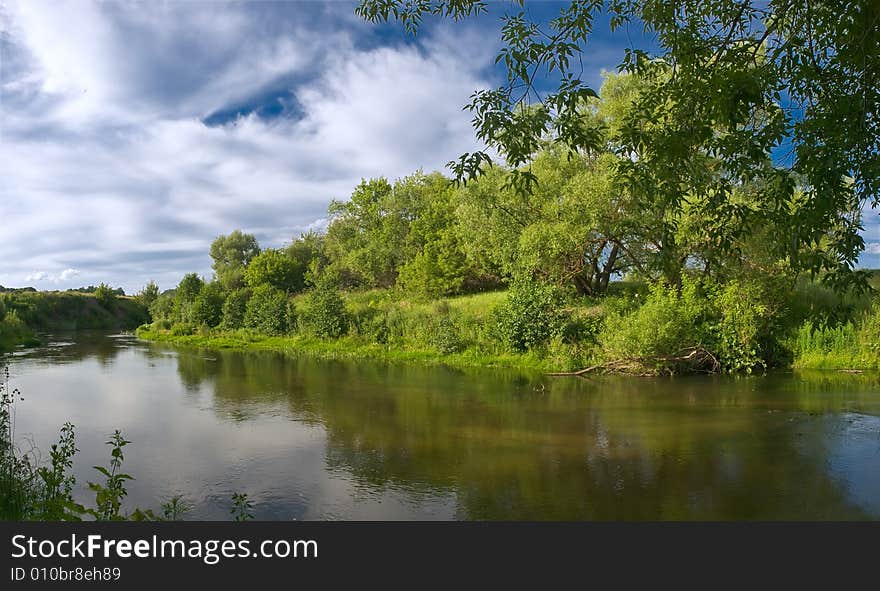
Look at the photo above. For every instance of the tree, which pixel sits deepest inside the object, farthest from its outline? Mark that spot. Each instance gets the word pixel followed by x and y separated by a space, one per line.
pixel 357 242
pixel 231 254
pixel 185 295
pixel 148 295
pixel 307 251
pixel 234 308
pixel 734 79
pixel 106 296
pixel 207 308
pixel 273 267
pixel 266 310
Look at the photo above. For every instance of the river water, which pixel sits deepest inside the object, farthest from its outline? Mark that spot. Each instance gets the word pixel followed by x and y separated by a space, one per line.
pixel 308 439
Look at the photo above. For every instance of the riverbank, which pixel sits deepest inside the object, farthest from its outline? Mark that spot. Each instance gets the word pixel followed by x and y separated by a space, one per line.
pixel 632 331
pixel 350 348
pixel 24 313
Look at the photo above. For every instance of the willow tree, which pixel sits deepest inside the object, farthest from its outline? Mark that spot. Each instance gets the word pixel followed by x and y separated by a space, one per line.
pixel 745 78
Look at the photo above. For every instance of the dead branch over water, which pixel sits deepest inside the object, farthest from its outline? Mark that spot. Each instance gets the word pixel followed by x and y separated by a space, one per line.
pixel 695 359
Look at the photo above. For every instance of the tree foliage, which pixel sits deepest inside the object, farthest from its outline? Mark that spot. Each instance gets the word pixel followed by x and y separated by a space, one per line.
pixel 732 81
pixel 274 267
pixel 231 254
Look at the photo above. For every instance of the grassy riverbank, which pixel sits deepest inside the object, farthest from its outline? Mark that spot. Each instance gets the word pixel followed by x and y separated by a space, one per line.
pixel 452 332
pixel 24 313
pixel 813 329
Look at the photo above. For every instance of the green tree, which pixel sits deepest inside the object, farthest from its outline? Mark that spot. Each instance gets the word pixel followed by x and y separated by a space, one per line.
pixel 185 295
pixel 266 310
pixel 360 253
pixel 106 296
pixel 733 79
pixel 148 295
pixel 274 267
pixel 307 252
pixel 234 308
pixel 207 308
pixel 324 312
pixel 231 254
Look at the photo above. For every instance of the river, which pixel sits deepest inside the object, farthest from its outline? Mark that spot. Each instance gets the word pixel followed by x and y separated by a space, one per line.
pixel 309 439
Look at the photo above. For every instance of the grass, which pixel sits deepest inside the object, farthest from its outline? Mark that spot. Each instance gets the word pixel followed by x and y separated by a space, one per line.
pixel 819 330
pixel 348 347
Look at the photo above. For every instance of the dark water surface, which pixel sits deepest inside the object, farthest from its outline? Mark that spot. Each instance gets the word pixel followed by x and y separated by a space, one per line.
pixel 313 439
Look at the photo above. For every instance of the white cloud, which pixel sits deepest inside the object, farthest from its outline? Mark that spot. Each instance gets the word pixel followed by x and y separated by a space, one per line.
pixel 43 276
pixel 108 167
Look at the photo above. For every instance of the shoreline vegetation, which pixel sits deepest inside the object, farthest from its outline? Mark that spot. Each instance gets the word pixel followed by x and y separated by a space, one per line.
pixel 464 332
pixel 26 312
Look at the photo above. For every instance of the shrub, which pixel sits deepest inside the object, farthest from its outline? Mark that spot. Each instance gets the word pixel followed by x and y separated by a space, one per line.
pixel 665 324
pixel 744 333
pixel 445 337
pixel 324 313
pixel 529 316
pixel 234 309
pixel 106 296
pixel 266 311
pixel 207 308
pixel 163 308
pixel 182 329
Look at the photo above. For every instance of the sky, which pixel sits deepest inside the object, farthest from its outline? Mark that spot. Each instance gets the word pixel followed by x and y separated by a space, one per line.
pixel 133 134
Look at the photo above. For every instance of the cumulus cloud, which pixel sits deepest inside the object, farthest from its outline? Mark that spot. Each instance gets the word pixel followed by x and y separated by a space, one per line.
pixel 42 276
pixel 115 160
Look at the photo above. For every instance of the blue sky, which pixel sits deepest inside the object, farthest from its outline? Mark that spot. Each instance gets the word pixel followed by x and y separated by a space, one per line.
pixel 132 134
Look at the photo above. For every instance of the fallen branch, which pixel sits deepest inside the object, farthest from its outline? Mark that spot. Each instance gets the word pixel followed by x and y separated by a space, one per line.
pixel 698 358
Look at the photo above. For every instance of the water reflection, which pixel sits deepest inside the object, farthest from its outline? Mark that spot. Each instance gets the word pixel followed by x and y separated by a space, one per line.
pixel 312 439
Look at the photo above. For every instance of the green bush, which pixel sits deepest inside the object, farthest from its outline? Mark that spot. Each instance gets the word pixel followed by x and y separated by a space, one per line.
pixel 234 309
pixel 324 314
pixel 369 323
pixel 666 323
pixel 106 296
pixel 207 308
pixel 744 332
pixel 266 311
pixel 162 308
pixel 445 336
pixel 529 316
pixel 182 329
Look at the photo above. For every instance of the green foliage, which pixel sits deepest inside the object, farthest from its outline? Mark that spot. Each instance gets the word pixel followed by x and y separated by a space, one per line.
pixel 445 337
pixel 323 313
pixel 175 508
pixel 57 484
pixel 697 135
pixel 185 295
pixel 231 254
pixel 308 252
pixel 529 316
pixel 665 324
pixel 235 308
pixel 743 332
pixel 106 296
pixel 148 295
pixel 266 310
pixel 13 331
pixel 854 344
pixel 207 308
pixel 275 268
pixel 162 308
pixel 242 507
pixel 109 495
